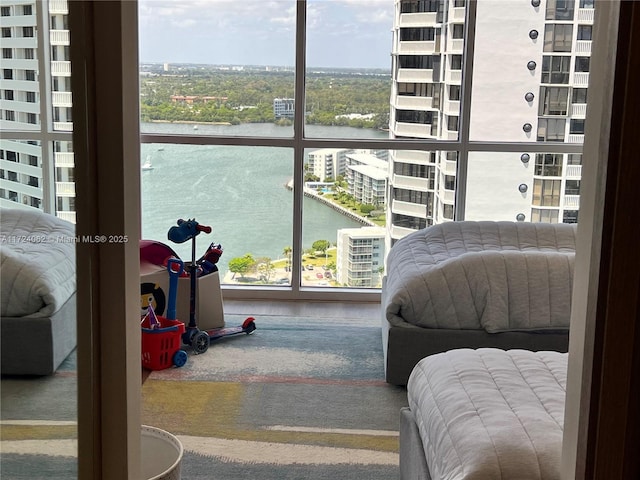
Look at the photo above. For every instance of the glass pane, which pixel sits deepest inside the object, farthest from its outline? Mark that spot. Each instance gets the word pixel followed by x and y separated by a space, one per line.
pixel 428 41
pixel 239 191
pixel 538 187
pixel 344 209
pixel 348 67
pixel 60 67
pixel 423 190
pixel 64 163
pixel 217 67
pixel 21 173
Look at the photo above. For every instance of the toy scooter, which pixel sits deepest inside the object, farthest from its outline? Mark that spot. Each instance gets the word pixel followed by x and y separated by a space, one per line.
pixel 201 339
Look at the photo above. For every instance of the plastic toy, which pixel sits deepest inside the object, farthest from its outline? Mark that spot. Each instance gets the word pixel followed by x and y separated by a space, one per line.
pixel 201 339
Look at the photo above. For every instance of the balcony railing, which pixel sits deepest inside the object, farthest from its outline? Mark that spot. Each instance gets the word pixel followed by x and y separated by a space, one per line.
pixel 408 208
pixel 410 183
pixel 417 75
pixel 59 37
pixel 65 189
pixel 416 48
pixel 581 79
pixel 574 170
pixel 419 130
pixel 410 102
pixel 583 46
pixel 585 15
pixel 61 69
pixel 58 7
pixel 455 45
pixel 64 159
pixel 453 76
pixel 457 13
pixel 449 167
pixel 420 19
pixel 61 99
pixel 68 216
pixel 575 138
pixel 572 201
pixel 446 196
pixel 578 110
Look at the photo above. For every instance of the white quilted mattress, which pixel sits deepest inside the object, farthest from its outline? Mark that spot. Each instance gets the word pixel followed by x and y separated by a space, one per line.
pixel 490 414
pixel 38 265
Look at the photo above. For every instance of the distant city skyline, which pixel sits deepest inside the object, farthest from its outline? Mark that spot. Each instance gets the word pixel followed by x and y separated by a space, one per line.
pixel 341 33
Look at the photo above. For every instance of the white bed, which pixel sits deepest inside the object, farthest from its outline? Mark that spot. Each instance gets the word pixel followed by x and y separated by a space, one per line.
pixel 485 413
pixel 38 286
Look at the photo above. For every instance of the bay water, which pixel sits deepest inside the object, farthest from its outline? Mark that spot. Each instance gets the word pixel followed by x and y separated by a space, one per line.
pixel 239 191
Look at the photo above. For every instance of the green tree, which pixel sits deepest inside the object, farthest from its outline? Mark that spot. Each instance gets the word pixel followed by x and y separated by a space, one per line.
pixel 367 209
pixel 321 246
pixel 241 265
pixel 265 269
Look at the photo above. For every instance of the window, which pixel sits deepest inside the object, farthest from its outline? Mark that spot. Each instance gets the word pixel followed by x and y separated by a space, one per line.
pixel 546 193
pixel 32 118
pixel 553 100
pixel 30 75
pixel 548 164
pixel 572 187
pixel 576 127
pixel 416 89
pixel 586 3
pixel 454 92
pixel 6 32
pixel 559 9
pixel 417 6
pixel 10 115
pixel 584 32
pixel 551 130
pixel 7 74
pixel 416 61
pixel 544 216
pixel 574 159
pixel 555 69
pixel 558 37
pixel 456 62
pixel 5 11
pixel 7 53
pixel 579 95
pixel 8 94
pixel 413 116
pixel 29 53
pixel 457 31
pixel 413 196
pixel 27 10
pixel 570 216
pixel 27 32
pixel 447 211
pixel 452 123
pixel 31 97
pixel 426 34
pixel 405 221
pixel 582 64
pixel 449 182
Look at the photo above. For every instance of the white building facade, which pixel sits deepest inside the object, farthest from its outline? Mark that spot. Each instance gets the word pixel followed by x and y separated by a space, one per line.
pixel 36 101
pixel 283 107
pixel 366 176
pixel 360 256
pixel 529 84
pixel 327 163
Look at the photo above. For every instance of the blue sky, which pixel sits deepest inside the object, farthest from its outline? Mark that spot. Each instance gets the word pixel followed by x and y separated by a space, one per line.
pixel 341 33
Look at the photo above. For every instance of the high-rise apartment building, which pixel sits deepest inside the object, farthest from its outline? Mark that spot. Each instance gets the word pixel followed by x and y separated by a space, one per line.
pixel 36 155
pixel 529 84
pixel 360 256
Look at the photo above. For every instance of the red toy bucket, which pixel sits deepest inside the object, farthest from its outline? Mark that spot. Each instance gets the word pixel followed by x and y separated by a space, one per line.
pixel 161 346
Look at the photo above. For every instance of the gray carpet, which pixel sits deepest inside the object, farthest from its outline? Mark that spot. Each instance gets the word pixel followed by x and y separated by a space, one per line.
pixel 301 398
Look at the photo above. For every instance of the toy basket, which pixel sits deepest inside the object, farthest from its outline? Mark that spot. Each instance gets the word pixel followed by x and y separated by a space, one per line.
pixel 161 346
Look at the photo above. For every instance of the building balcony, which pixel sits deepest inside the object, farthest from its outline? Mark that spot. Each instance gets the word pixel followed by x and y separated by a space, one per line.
pixel 68 216
pixel 581 79
pixel 417 130
pixel 420 19
pixel 574 171
pixel 447 196
pixel 415 75
pixel 410 102
pixel 58 7
pixel 449 167
pixel 574 138
pixel 416 48
pixel 418 157
pixel 19 42
pixel 65 189
pixel 22 107
pixel 63 126
pixel 585 15
pixel 449 134
pixel 61 99
pixel 411 183
pixel 61 69
pixel 64 159
pixel 583 46
pixel 408 208
pixel 455 45
pixel 451 107
pixel 457 14
pixel 19 64
pixel 453 77
pixel 399 232
pixel 572 202
pixel 59 37
pixel 578 110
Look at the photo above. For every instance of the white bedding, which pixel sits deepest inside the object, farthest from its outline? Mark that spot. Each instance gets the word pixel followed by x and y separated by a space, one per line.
pixel 496 276
pixel 37 262
pixel 490 413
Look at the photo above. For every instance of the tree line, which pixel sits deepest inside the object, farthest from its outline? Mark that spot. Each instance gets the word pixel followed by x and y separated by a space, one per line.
pixel 247 97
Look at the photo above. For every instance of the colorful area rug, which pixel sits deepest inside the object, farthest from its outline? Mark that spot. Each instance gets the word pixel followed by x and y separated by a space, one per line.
pixel 300 398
